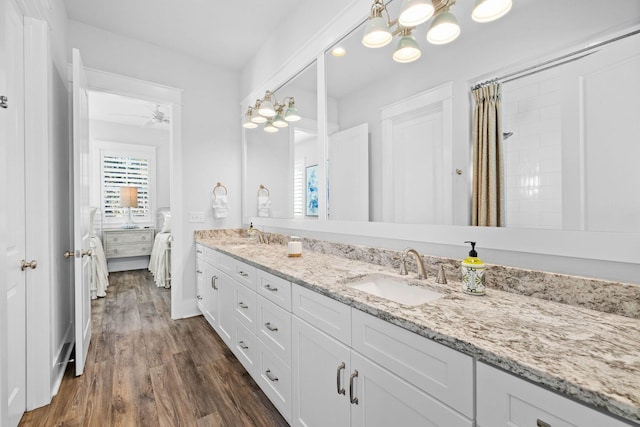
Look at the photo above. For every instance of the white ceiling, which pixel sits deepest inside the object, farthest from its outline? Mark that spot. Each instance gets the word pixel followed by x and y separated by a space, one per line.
pixel 226 33
pixel 124 110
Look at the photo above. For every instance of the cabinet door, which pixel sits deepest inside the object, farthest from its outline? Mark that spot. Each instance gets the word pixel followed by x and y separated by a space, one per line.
pixel 320 378
pixel 226 295
pixel 211 295
pixel 383 399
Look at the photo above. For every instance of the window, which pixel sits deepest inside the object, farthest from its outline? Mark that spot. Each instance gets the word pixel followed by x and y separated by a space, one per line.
pixel 127 165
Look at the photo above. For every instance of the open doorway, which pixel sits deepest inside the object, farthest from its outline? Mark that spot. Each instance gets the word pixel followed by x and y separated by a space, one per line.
pixel 130 195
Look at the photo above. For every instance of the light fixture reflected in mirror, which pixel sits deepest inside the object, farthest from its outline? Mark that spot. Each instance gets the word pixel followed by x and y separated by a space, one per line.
pixel 415 12
pixel 490 10
pixel 444 28
pixel 407 50
pixel 271 112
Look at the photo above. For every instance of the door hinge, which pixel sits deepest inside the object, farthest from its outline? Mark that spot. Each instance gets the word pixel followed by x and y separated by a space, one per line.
pixel 4 101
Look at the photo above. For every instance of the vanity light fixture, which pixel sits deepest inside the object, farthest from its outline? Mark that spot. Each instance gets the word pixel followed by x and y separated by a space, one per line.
pixel 444 28
pixel 272 113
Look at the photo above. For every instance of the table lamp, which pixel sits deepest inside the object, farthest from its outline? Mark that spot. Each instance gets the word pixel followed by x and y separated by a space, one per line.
pixel 129 199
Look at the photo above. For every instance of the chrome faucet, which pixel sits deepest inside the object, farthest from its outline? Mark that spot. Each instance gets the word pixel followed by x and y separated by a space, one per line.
pixel 403 263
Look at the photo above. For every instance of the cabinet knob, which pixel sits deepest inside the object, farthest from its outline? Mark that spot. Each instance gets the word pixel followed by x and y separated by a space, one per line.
pixel 32 265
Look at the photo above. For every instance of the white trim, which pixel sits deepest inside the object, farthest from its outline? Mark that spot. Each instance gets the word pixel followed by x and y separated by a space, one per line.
pixel 61 359
pixel 38 210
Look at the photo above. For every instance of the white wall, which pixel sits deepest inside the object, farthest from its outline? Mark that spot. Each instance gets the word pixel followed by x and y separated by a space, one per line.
pixel 211 143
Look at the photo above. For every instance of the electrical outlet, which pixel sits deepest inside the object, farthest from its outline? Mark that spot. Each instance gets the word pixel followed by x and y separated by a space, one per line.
pixel 196 216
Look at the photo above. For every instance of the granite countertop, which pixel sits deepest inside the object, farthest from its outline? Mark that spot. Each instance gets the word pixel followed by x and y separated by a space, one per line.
pixel 591 356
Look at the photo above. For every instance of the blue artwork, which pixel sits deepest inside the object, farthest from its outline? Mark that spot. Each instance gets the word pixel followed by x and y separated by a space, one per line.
pixel 312 190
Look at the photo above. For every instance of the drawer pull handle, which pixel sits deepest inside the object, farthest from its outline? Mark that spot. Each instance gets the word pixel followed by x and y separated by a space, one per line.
pixel 198 251
pixel 243 345
pixel 214 282
pixel 243 305
pixel 354 400
pixel 270 375
pixel 269 327
pixel 243 274
pixel 541 423
pixel 271 288
pixel 340 389
pixel 143 238
pixel 199 271
pixel 199 298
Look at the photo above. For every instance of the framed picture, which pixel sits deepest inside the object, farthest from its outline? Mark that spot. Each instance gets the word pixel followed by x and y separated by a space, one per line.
pixel 312 190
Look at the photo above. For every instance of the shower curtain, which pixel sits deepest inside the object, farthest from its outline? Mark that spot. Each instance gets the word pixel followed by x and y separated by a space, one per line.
pixel 488 180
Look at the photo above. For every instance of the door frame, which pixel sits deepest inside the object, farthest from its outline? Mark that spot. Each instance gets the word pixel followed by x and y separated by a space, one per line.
pixel 102 81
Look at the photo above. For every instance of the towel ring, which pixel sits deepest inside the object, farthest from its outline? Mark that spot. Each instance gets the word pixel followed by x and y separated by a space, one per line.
pixel 218 185
pixel 262 187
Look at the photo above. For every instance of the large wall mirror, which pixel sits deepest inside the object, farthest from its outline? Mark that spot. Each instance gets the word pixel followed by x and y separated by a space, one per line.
pixel 566 126
pixel 396 138
pixel 279 164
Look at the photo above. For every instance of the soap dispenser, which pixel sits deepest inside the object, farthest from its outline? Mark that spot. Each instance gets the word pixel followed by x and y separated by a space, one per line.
pixel 473 273
pixel 251 233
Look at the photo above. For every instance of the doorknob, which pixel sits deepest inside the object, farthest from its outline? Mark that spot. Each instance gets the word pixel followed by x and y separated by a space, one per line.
pixel 32 265
pixel 69 254
pixel 86 253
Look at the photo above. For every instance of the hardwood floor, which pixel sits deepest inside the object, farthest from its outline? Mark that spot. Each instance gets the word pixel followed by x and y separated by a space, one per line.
pixel 144 369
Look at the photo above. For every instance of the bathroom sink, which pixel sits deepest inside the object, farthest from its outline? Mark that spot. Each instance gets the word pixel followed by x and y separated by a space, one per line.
pixel 395 289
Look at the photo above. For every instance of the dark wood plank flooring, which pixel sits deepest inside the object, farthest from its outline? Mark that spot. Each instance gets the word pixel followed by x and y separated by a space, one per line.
pixel 144 369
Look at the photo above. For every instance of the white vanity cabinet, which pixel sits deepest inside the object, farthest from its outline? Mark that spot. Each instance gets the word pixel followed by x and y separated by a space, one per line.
pixel 334 384
pixel 506 400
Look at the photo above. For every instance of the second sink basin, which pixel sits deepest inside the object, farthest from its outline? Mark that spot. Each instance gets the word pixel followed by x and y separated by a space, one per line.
pixel 395 289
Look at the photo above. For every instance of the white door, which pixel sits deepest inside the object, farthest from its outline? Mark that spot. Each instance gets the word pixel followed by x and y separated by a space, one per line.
pixel 12 127
pixel 348 188
pixel 320 379
pixel 80 190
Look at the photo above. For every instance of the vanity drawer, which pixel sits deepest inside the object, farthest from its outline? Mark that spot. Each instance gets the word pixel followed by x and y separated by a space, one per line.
pixel 506 400
pixel 238 270
pixel 128 250
pixel 128 236
pixel 245 307
pixel 275 289
pixel 326 314
pixel 274 378
pixel 274 329
pixel 245 347
pixel 438 370
pixel 210 255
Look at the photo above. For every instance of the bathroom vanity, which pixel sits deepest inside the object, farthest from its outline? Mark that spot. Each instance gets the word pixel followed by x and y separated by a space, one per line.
pixel 326 353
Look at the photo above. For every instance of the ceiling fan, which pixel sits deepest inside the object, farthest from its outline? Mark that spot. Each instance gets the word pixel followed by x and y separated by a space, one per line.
pixel 157 117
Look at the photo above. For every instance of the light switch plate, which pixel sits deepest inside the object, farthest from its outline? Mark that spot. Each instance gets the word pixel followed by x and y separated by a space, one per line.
pixel 196 216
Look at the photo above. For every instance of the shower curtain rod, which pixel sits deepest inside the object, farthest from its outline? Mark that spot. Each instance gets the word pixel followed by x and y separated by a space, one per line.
pixel 545 65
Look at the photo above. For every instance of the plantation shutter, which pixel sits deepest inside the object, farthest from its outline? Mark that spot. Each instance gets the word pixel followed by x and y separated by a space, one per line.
pixel 120 171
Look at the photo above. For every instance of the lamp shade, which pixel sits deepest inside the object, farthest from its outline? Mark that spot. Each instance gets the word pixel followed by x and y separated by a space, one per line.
pixel 376 33
pixel 490 10
pixel 407 50
pixel 415 12
pixel 443 29
pixel 129 197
